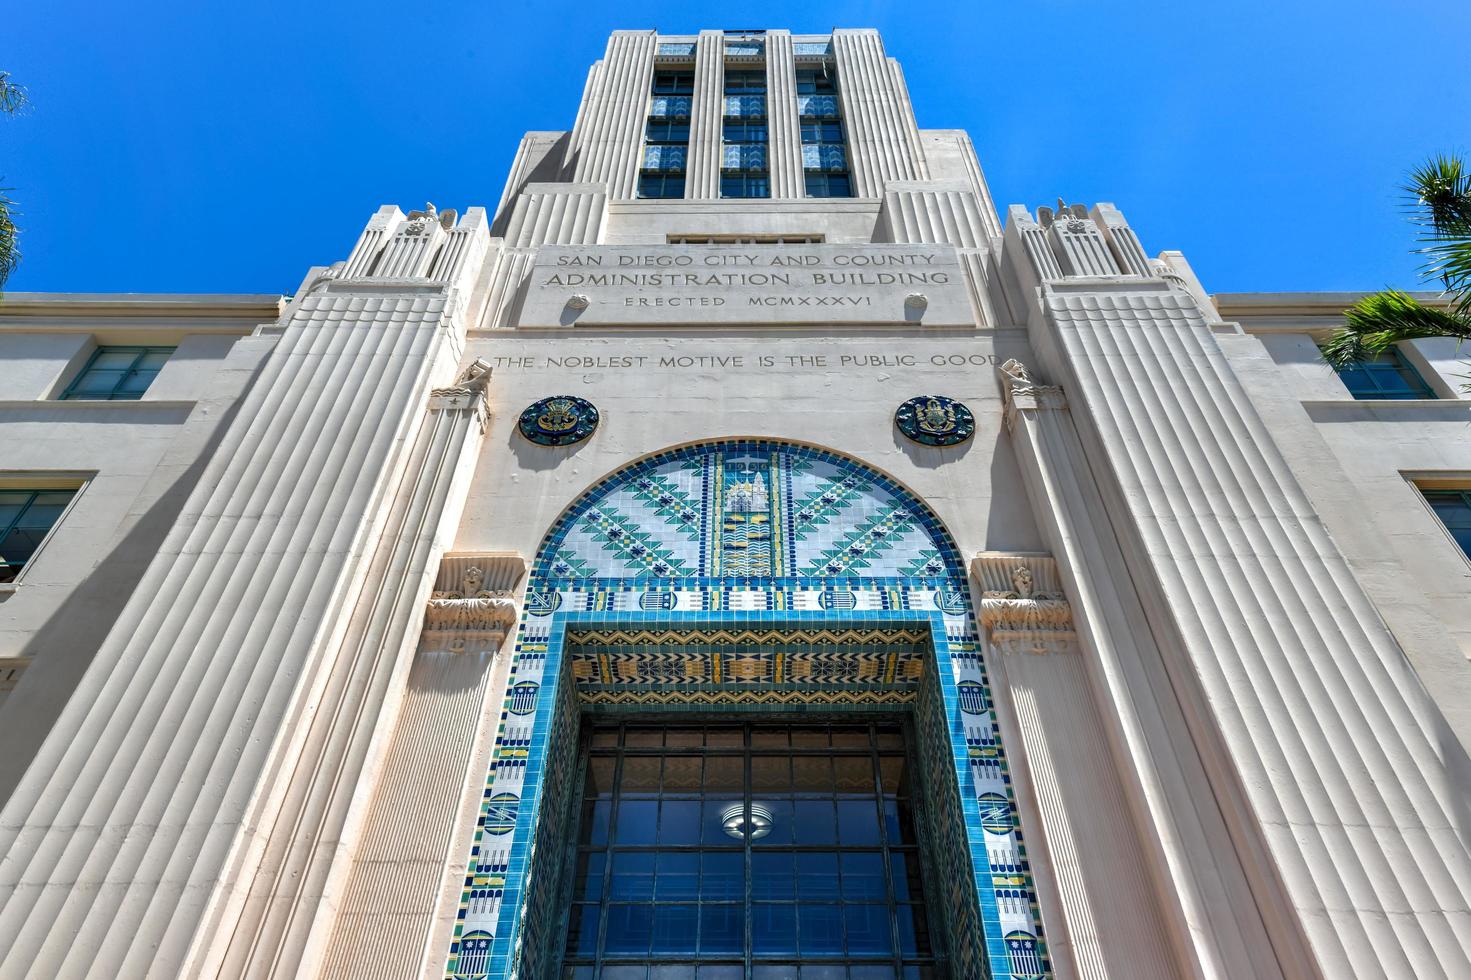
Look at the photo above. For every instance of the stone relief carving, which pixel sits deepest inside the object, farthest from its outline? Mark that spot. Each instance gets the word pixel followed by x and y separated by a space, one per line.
pixel 473 606
pixel 423 222
pixel 1073 217
pixel 1022 605
pixel 472 381
pixel 1021 390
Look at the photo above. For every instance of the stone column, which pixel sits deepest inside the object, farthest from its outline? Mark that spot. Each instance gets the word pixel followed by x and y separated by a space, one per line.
pixel 1106 919
pixel 177 774
pixel 707 118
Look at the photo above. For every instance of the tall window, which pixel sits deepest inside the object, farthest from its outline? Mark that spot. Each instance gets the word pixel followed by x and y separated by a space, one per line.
pixel 744 171
pixel 748 852
pixel 118 373
pixel 667 135
pixel 824 151
pixel 1453 507
pixel 26 516
pixel 1386 375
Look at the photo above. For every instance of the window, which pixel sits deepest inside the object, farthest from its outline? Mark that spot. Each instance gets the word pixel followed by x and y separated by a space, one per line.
pixel 1387 376
pixel 824 150
pixel 118 373
pixel 748 852
pixel 1453 507
pixel 667 136
pixel 26 517
pixel 744 170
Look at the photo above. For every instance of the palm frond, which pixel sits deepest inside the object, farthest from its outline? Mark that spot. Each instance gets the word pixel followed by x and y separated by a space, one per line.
pixel 12 96
pixel 1379 321
pixel 9 247
pixel 1440 202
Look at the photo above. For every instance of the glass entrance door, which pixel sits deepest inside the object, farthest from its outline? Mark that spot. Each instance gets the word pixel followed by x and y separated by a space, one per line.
pixel 748 852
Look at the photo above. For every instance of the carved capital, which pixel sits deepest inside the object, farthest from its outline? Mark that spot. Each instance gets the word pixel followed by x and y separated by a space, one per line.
pixel 473 607
pixel 1023 609
pixel 1021 392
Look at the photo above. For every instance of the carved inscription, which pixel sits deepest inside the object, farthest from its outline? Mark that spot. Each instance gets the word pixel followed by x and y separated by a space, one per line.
pixel 589 285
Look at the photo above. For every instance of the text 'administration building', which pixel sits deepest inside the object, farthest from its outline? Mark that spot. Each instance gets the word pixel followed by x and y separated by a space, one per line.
pixel 738 555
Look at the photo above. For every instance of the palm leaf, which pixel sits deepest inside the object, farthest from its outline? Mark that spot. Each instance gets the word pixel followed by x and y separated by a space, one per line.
pixel 9 249
pixel 12 96
pixel 1440 195
pixel 1379 321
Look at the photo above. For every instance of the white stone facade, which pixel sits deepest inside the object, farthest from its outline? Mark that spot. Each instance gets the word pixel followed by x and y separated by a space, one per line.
pixel 254 677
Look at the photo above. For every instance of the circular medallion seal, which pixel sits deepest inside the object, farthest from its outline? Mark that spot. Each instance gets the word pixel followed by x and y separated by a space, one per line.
pixel 559 421
pixel 935 420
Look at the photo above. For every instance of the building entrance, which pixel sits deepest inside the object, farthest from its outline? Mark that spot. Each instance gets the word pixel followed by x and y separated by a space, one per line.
pixel 750 586
pixel 749 852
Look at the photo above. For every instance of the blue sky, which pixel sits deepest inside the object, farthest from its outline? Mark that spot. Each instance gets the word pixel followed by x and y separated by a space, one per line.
pixel 203 146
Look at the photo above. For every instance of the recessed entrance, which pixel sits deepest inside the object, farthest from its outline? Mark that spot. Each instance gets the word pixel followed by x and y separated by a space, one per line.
pixel 755 851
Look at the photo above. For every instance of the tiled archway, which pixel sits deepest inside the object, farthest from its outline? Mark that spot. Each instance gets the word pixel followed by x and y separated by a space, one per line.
pixel 747 545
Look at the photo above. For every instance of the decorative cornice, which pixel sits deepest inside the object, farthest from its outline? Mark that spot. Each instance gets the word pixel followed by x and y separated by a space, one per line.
pixel 1023 608
pixel 1021 392
pixel 473 606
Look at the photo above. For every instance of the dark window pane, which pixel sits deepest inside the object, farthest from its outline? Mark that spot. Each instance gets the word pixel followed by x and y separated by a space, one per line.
pixel 782 825
pixel 914 931
pixel 821 930
pixel 863 877
pixel 682 774
pixel 872 973
pixel 582 932
pixel 722 929
pixel 681 738
pixel 630 930
pixel 868 930
pixel 814 775
pixel 854 775
pixel 625 972
pixel 725 774
pixel 858 822
pixel 722 875
pixel 675 929
pixel 814 822
pixel 781 971
pixel 636 822
pixel 677 877
pixel 589 884
pixel 633 876
pixel 773 930
pixel 894 775
pixel 731 972
pixel 899 822
pixel 772 876
pixel 907 883
pixel 724 738
pixel 771 774
pixel 599 776
pixel 723 822
pixel 818 873
pixel 640 775
pixel 595 822
pixel 679 822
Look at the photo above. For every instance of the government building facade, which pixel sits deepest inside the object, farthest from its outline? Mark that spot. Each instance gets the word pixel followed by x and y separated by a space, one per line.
pixel 741 553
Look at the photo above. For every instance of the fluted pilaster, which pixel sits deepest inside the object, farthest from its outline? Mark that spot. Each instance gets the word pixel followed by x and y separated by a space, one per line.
pixel 707 118
pixel 609 132
pixel 783 125
pixel 883 140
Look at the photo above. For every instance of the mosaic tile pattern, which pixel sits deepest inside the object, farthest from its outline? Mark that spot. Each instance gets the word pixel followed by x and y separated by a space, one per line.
pixel 641 593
